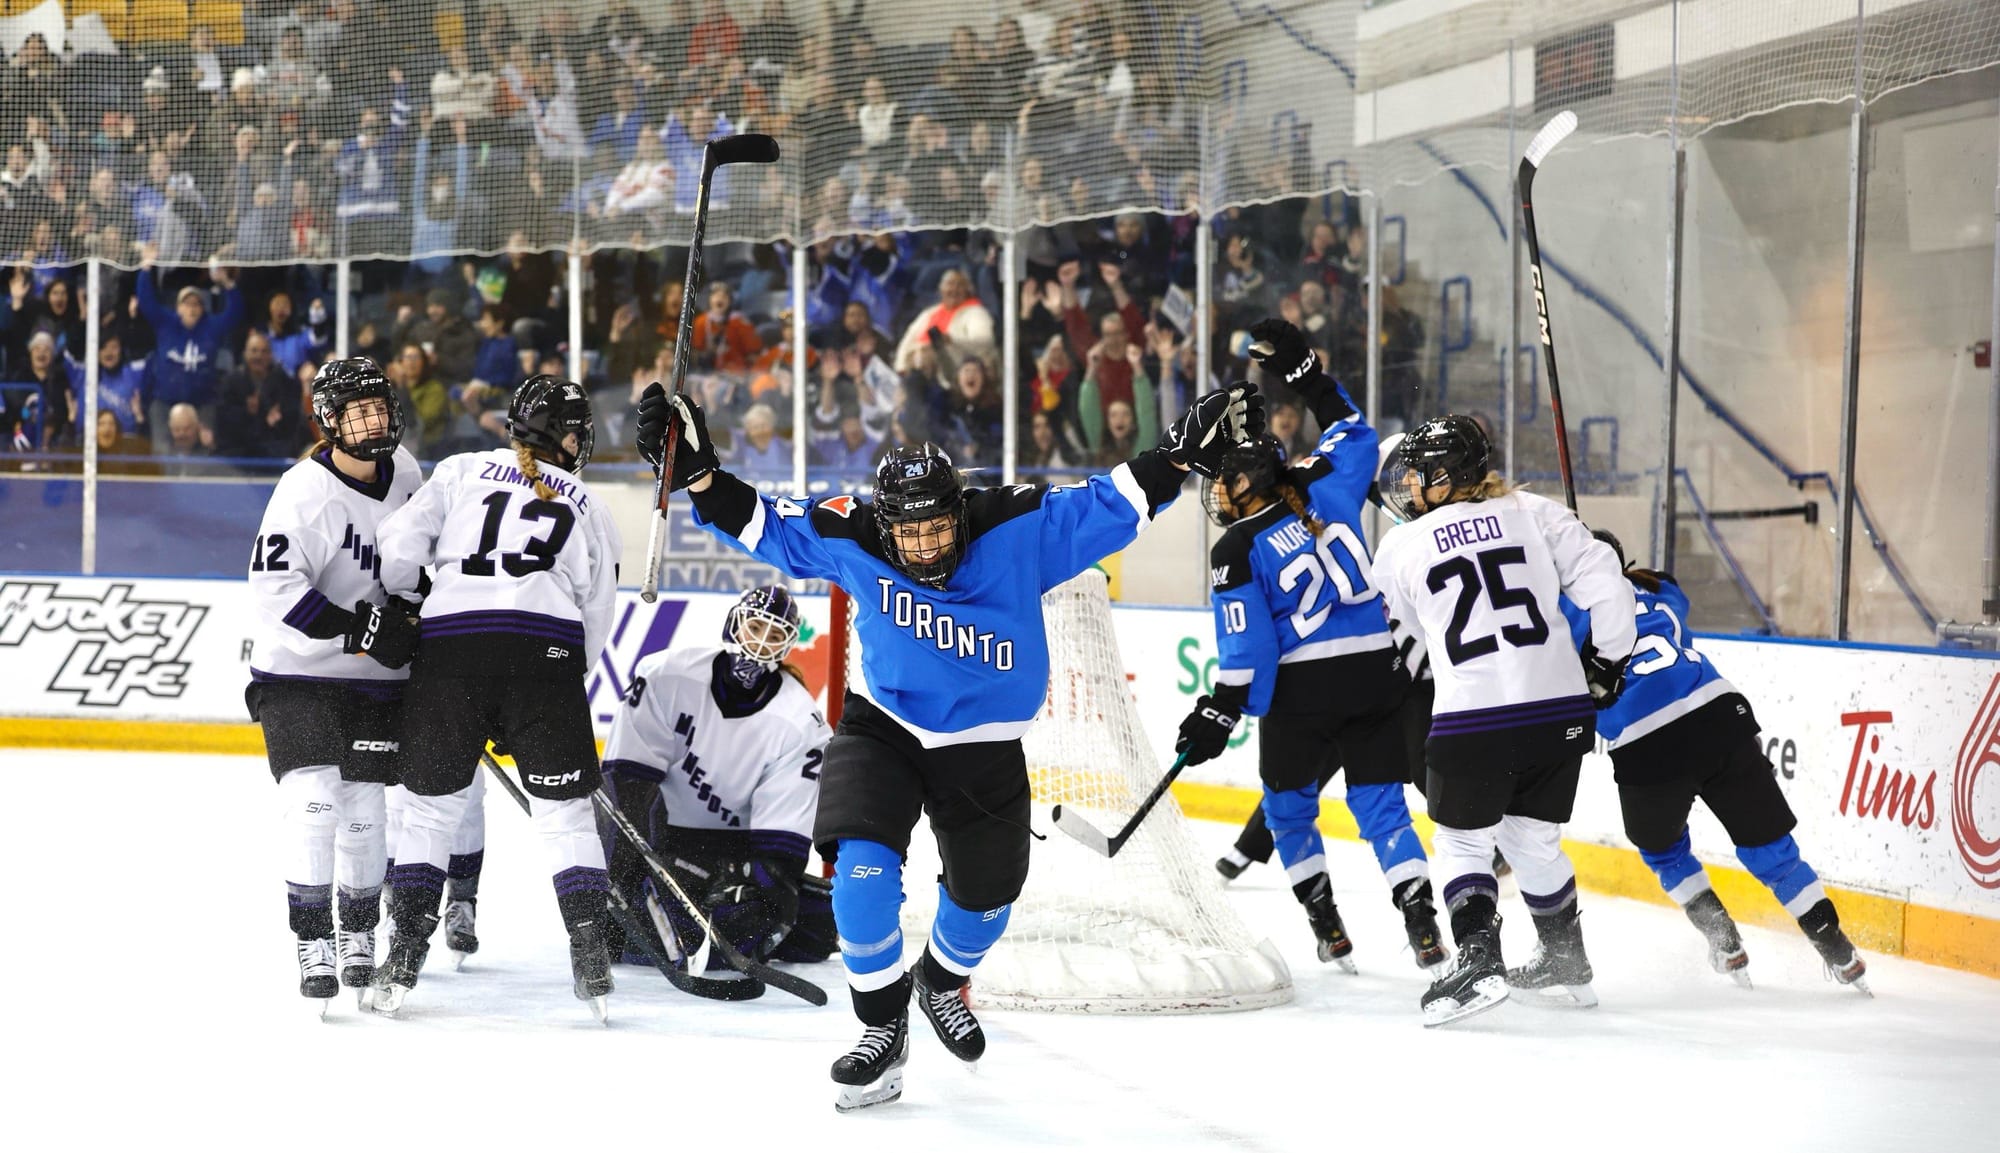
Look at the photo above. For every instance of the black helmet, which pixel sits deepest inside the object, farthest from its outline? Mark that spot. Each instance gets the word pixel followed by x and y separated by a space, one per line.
pixel 1449 450
pixel 1605 536
pixel 546 410
pixel 916 484
pixel 339 383
pixel 1260 461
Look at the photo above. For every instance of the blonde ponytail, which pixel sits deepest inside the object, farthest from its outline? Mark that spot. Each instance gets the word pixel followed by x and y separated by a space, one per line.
pixel 1491 486
pixel 532 469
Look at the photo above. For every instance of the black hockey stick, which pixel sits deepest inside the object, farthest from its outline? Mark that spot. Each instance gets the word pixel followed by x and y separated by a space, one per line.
pixel 747 148
pixel 636 934
pixel 1545 141
pixel 1094 839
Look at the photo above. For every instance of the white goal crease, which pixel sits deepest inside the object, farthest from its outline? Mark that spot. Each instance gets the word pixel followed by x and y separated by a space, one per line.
pixel 1149 931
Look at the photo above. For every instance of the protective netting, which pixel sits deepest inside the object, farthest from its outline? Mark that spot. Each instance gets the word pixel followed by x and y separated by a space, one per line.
pixel 1147 931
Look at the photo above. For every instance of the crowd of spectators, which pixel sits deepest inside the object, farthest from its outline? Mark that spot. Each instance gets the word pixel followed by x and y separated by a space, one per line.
pixel 218 180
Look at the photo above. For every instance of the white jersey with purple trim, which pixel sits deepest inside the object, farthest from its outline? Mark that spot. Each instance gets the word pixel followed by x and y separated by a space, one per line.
pixel 316 550
pixel 752 767
pixel 513 576
pixel 1481 580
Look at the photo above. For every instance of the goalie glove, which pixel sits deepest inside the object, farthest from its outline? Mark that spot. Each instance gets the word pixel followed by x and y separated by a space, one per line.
pixel 389 632
pixel 1213 425
pixel 694 455
pixel 1206 730
pixel 1605 677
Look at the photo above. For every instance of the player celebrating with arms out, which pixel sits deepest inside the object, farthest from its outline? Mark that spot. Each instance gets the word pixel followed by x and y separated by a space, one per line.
pixel 331 722
pixel 947 584
pixel 1481 569
pixel 1303 643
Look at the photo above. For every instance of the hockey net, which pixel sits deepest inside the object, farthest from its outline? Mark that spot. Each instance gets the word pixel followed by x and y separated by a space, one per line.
pixel 1148 931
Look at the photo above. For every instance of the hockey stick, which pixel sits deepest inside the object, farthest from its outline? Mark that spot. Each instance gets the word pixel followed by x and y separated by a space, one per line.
pixel 621 911
pixel 747 148
pixel 1094 839
pixel 1545 141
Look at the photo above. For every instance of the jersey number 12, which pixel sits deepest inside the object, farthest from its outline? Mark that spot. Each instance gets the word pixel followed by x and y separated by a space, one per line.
pixel 539 555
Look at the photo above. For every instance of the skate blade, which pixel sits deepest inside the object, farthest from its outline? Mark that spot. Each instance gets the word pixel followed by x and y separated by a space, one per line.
pixel 1346 965
pixel 458 961
pixel 1487 994
pixel 389 999
pixel 320 1005
pixel 599 1010
pixel 852 1097
pixel 1741 977
pixel 1860 985
pixel 1559 996
pixel 364 999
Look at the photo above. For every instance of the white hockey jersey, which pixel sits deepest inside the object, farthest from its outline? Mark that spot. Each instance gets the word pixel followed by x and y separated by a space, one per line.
pixel 316 550
pixel 716 771
pixel 1482 582
pixel 519 585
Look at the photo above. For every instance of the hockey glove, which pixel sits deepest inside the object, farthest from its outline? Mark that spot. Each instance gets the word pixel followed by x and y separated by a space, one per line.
pixel 1212 425
pixel 753 903
pixel 1605 677
pixel 813 936
pixel 1206 730
pixel 694 454
pixel 388 632
pixel 1282 350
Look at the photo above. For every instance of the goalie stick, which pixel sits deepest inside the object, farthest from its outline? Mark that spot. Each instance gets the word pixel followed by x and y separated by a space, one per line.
pixel 621 909
pixel 1545 141
pixel 1094 839
pixel 746 148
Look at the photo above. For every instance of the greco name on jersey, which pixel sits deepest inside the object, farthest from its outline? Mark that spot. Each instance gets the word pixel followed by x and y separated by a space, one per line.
pixel 1472 530
pixel 511 474
pixel 925 623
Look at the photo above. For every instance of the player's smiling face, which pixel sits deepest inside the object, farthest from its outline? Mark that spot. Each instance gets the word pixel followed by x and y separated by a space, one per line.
pixel 921 542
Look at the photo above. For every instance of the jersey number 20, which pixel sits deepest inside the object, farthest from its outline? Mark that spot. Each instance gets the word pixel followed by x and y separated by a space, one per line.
pixel 539 555
pixel 1319 567
pixel 1490 576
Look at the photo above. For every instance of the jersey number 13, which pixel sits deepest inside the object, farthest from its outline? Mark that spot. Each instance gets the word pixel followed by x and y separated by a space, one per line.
pixel 538 555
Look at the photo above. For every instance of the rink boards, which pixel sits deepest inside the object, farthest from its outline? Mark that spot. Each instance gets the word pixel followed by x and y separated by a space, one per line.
pixel 1890 757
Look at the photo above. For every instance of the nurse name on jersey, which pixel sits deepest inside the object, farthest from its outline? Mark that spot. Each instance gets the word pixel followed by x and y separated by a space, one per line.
pixel 942 629
pixel 1471 530
pixel 1289 538
pixel 494 470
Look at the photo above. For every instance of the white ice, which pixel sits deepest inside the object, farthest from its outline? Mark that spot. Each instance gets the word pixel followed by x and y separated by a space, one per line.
pixel 154 1005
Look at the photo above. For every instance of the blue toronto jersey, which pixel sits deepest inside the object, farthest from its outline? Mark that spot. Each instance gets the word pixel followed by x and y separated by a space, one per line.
pixel 1281 595
pixel 969 662
pixel 1665 678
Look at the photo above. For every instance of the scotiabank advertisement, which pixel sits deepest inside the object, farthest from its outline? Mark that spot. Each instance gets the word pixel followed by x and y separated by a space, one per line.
pixel 1891 759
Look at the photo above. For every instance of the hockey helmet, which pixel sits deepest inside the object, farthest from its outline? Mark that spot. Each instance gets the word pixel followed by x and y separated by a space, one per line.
pixel 1446 450
pixel 545 411
pixel 339 383
pixel 916 487
pixel 1260 462
pixel 762 626
pixel 1605 536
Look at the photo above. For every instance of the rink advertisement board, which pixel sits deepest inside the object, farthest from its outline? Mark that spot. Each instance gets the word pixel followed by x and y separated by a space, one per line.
pixel 1890 758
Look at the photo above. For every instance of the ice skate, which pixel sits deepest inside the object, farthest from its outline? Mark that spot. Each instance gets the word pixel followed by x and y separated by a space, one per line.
pixel 1334 945
pixel 1558 975
pixel 357 962
pixel 1475 982
pixel 1843 961
pixel 317 979
pixel 590 966
pixel 458 931
pixel 871 1073
pixel 1231 865
pixel 397 974
pixel 949 1014
pixel 1726 954
pixel 1420 922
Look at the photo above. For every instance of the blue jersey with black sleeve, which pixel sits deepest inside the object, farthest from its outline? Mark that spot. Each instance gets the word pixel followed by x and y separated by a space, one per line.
pixel 1282 595
pixel 1665 679
pixel 971 662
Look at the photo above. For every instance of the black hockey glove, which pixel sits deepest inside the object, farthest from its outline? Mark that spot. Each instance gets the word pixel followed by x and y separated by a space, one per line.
pixel 694 454
pixel 1605 677
pixel 1206 730
pixel 752 904
pixel 1281 348
pixel 388 632
pixel 1212 425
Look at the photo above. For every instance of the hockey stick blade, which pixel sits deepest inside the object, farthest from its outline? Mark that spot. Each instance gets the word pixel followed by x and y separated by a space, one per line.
pixel 743 148
pixel 1553 133
pixel 1081 831
pixel 1091 838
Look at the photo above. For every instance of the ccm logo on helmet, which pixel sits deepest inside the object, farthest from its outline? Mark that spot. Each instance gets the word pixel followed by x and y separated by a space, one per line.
pixel 553 780
pixel 377 747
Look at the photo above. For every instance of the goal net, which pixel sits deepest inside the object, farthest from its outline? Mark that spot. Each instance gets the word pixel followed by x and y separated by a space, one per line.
pixel 1149 931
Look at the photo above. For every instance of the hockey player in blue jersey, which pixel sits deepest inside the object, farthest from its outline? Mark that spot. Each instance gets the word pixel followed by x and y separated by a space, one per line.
pixel 1681 731
pixel 947 584
pixel 1303 643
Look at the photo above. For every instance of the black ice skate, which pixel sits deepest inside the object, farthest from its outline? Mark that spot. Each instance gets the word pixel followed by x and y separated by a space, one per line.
pixel 317 978
pixel 590 966
pixel 1558 974
pixel 948 1013
pixel 1231 865
pixel 1843 960
pixel 397 974
pixel 458 934
pixel 1726 954
pixel 357 962
pixel 1420 922
pixel 1475 982
pixel 1334 945
pixel 872 1072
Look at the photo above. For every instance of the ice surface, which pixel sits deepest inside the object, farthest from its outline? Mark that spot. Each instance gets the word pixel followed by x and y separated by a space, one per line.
pixel 154 1004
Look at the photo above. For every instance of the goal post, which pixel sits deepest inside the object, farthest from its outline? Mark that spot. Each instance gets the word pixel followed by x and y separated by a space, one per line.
pixel 1149 931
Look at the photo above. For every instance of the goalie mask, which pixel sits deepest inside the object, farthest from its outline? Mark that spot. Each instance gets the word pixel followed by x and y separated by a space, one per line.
pixel 545 412
pixel 1449 452
pixel 362 430
pixel 1260 462
pixel 759 632
pixel 920 514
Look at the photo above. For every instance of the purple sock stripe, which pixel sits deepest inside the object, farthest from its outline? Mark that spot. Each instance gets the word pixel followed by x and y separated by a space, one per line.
pixel 307 610
pixel 582 879
pixel 1470 885
pixel 308 896
pixel 418 876
pixel 465 866
pixel 1553 901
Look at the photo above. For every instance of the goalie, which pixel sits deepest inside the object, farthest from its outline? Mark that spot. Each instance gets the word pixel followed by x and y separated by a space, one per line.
pixel 715 755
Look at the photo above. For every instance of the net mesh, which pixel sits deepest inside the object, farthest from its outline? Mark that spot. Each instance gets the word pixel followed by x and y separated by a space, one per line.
pixel 1147 931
